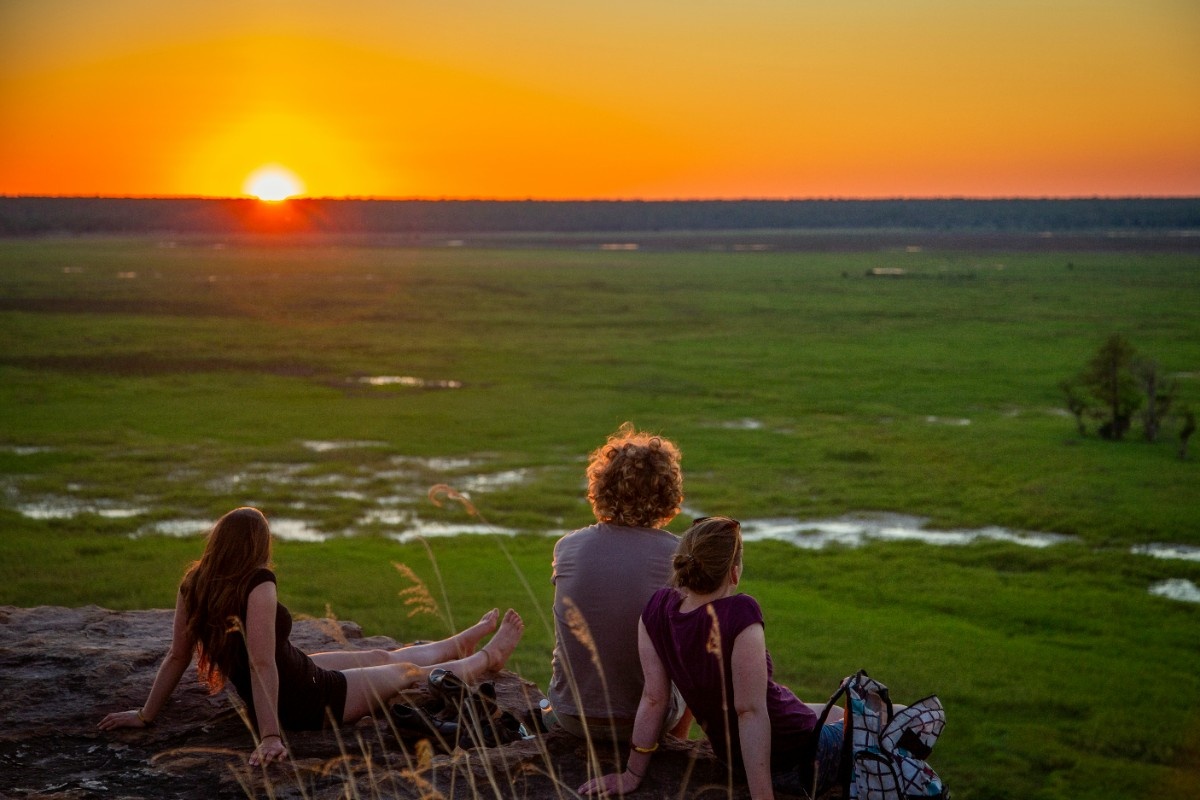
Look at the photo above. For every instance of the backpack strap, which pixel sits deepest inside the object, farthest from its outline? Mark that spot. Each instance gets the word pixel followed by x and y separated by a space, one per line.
pixel 816 737
pixel 831 702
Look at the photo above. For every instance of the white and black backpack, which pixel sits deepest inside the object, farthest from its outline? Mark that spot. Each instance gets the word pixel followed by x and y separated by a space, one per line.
pixel 883 754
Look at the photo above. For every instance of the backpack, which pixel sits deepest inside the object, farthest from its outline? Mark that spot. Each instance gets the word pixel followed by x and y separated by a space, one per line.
pixel 883 754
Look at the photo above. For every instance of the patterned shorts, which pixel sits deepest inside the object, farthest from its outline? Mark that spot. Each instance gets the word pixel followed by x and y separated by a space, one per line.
pixel 797 778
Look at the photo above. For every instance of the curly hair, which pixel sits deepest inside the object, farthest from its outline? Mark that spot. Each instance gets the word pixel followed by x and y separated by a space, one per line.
pixel 634 479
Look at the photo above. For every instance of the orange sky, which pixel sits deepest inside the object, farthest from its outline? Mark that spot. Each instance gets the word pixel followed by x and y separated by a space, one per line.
pixel 653 99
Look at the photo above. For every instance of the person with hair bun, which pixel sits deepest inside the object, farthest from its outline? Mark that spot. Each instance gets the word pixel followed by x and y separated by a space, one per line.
pixel 227 615
pixel 708 639
pixel 603 575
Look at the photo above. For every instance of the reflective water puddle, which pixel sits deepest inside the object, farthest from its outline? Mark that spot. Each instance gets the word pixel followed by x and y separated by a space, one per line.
pixel 410 380
pixel 856 530
pixel 1177 589
pixel 1180 552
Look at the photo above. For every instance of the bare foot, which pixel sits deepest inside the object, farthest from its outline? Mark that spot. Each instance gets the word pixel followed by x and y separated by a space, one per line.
pixel 505 641
pixel 467 640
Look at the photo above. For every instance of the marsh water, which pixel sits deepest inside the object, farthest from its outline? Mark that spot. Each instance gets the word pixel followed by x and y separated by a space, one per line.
pixel 398 515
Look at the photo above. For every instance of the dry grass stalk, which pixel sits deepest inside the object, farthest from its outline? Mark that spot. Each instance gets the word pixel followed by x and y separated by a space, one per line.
pixel 417 596
pixel 713 647
pixel 444 490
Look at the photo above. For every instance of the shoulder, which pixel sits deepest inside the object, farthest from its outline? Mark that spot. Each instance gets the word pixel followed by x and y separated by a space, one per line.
pixel 743 610
pixel 662 601
pixel 576 537
pixel 664 538
pixel 746 603
pixel 258 579
pixel 261 595
pixel 262 575
pixel 570 545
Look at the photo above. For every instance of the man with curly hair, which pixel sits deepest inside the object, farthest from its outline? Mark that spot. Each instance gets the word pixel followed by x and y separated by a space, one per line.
pixel 603 576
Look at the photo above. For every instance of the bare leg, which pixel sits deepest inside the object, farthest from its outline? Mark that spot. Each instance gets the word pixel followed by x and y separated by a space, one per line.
pixel 373 687
pixel 835 713
pixel 350 659
pixel 461 644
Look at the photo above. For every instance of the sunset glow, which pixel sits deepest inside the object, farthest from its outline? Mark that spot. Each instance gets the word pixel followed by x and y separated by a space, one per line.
pixel 273 183
pixel 770 98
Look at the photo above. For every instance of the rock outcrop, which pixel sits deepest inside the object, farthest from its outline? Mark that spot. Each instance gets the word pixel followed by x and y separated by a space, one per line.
pixel 62 669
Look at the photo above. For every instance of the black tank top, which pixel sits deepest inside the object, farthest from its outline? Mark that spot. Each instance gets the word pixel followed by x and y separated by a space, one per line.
pixel 305 690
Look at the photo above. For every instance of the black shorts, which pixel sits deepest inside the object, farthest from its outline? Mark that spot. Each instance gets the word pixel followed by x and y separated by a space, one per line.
pixel 307 703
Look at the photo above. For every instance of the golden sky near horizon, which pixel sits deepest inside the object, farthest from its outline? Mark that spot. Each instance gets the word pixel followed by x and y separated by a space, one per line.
pixel 652 99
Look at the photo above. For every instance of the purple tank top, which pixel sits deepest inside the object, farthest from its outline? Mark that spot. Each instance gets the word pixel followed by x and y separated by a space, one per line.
pixel 699 662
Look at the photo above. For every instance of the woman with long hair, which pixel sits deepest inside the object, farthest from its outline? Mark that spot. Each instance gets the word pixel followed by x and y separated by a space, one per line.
pixel 708 639
pixel 227 615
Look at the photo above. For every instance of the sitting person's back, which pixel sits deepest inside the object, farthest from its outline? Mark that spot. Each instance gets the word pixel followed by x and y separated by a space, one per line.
pixel 707 639
pixel 604 574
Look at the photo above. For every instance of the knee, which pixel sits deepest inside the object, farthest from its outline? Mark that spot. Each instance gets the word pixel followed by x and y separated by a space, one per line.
pixel 404 675
pixel 372 658
pixel 380 656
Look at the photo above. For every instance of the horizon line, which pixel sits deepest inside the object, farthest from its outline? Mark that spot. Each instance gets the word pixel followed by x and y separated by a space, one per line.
pixel 741 199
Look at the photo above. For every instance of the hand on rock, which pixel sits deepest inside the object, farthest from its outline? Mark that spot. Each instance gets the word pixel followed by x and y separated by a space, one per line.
pixel 122 719
pixel 270 749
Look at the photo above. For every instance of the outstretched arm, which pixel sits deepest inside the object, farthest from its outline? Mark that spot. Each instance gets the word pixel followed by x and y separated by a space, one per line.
pixel 652 710
pixel 750 703
pixel 178 659
pixel 264 673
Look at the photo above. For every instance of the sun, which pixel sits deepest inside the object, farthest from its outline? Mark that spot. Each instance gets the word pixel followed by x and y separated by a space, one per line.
pixel 273 183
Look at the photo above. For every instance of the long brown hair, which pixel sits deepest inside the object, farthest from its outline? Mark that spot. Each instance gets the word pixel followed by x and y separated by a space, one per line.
pixel 214 588
pixel 705 554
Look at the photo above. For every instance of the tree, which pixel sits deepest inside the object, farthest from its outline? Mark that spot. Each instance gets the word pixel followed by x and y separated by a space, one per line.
pixel 1077 401
pixel 1108 378
pixel 1160 394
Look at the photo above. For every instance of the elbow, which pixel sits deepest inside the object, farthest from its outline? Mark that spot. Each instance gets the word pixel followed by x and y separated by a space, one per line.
pixel 262 666
pixel 750 713
pixel 653 698
pixel 178 655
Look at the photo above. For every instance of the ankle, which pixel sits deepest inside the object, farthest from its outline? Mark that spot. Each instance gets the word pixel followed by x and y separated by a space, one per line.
pixel 488 665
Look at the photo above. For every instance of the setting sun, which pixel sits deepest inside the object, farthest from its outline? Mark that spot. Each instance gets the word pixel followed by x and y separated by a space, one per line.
pixel 273 183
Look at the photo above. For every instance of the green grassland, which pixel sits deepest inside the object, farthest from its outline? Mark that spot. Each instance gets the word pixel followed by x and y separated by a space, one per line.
pixel 183 380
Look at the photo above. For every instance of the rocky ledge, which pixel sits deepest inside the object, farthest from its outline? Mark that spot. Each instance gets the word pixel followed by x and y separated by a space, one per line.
pixel 62 669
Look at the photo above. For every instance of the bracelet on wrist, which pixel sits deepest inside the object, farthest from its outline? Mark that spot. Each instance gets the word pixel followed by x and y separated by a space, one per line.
pixel 649 749
pixel 143 719
pixel 270 736
pixel 629 769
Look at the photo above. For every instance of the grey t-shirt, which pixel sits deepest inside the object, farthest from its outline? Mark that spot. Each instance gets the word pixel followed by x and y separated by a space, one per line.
pixel 608 573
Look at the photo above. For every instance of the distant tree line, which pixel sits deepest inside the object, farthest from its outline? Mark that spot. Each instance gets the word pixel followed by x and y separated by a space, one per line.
pixel 1119 386
pixel 23 216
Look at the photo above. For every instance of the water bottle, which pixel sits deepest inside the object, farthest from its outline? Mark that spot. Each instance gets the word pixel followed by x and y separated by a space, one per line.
pixel 549 718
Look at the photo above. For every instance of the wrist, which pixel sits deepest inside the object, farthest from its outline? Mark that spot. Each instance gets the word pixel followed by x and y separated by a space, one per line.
pixel 146 721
